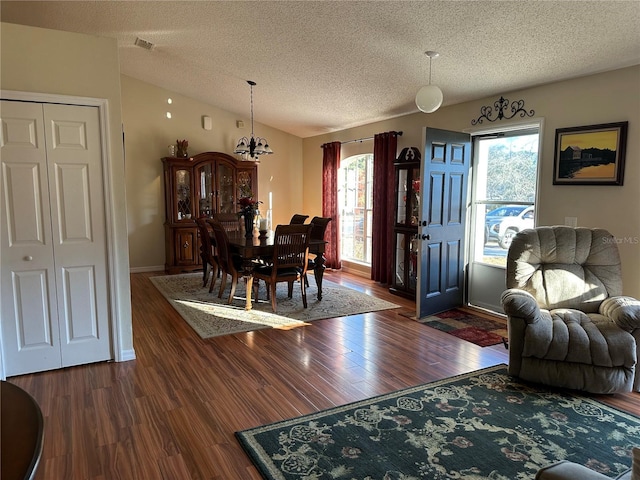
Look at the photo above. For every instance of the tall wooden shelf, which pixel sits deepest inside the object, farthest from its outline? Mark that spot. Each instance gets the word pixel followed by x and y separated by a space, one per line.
pixel 195 187
pixel 405 230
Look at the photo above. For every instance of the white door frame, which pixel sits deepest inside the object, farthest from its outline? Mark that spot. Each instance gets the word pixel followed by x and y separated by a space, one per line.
pixel 495 274
pixel 105 135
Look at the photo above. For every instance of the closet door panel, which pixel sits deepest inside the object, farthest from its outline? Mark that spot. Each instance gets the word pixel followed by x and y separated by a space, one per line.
pixel 74 205
pixel 30 337
pixel 79 233
pixel 29 327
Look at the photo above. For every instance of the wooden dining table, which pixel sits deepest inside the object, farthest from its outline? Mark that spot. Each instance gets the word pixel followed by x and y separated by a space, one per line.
pixel 254 248
pixel 22 433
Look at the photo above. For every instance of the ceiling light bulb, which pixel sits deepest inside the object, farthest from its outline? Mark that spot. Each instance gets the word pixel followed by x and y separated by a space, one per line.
pixel 429 98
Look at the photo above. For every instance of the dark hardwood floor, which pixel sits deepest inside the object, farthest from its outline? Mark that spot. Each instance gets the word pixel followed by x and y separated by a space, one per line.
pixel 172 412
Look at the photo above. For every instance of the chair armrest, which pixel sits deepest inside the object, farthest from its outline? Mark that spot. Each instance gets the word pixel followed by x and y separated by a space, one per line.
pixel 518 303
pixel 565 470
pixel 624 311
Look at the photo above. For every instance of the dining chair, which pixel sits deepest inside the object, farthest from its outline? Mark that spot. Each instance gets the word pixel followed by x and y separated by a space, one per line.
pixel 289 261
pixel 207 253
pixel 228 263
pixel 229 221
pixel 298 219
pixel 318 230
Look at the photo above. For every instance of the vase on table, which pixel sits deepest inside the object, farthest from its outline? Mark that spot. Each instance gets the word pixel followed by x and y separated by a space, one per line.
pixel 249 217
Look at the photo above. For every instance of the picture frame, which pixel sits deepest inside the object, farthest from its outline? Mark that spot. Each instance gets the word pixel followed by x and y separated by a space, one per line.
pixel 590 155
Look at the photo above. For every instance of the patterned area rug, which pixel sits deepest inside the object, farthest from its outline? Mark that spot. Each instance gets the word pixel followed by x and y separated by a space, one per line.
pixel 474 328
pixel 482 425
pixel 211 316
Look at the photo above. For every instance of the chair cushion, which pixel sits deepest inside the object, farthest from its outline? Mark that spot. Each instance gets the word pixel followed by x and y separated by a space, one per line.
pixel 635 463
pixel 237 262
pixel 573 336
pixel 565 470
pixel 624 311
pixel 565 267
pixel 266 270
pixel 573 350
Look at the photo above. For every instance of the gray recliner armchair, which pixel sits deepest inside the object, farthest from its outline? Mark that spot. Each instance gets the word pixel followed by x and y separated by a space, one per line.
pixel 568 324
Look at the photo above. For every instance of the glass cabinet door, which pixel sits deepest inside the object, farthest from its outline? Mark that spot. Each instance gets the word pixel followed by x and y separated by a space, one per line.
pixel 183 194
pixel 406 262
pixel 226 194
pixel 205 190
pixel 408 201
pixel 407 216
pixel 245 183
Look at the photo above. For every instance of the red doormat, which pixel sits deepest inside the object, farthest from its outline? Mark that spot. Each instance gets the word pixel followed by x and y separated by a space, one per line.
pixel 482 330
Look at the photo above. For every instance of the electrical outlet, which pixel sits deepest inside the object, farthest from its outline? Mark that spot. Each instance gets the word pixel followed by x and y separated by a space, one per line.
pixel 571 221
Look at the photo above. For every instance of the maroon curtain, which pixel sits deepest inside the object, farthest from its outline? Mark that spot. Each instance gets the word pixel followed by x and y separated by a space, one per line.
pixel 330 165
pixel 384 154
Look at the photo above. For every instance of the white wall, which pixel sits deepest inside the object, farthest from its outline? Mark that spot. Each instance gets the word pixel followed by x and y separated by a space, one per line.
pixel 603 98
pixel 54 62
pixel 148 132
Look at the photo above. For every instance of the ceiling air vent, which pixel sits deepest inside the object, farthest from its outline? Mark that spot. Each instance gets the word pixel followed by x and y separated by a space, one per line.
pixel 144 44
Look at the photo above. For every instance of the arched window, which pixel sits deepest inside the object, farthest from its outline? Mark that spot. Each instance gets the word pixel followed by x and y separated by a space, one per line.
pixel 355 200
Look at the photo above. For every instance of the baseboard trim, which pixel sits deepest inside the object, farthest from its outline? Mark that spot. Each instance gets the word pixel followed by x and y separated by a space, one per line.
pixel 126 355
pixel 157 268
pixel 486 310
pixel 355 271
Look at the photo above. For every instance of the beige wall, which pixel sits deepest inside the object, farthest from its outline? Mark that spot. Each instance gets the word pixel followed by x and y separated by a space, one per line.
pixel 54 62
pixel 604 98
pixel 148 132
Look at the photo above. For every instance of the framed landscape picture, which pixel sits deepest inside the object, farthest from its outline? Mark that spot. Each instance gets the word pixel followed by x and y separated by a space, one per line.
pixel 590 155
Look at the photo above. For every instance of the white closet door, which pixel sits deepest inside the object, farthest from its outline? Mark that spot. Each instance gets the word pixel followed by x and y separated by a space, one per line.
pixel 53 253
pixel 74 159
pixel 30 335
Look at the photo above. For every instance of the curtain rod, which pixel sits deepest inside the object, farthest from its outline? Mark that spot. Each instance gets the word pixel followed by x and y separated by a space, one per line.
pixel 365 139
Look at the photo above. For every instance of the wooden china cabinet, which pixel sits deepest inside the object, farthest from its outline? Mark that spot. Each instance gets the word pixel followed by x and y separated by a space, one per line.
pixel 194 187
pixel 405 230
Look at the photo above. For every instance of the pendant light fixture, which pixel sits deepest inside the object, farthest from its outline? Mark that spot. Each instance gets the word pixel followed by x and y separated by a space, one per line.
pixel 429 97
pixel 252 147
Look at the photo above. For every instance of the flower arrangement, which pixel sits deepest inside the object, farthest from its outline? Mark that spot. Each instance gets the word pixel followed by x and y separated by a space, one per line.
pixel 248 208
pixel 248 205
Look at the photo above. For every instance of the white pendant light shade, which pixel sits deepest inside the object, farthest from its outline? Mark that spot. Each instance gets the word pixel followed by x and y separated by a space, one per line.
pixel 429 98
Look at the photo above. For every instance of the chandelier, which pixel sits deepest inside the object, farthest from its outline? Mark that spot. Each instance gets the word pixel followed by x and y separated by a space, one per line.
pixel 429 97
pixel 255 146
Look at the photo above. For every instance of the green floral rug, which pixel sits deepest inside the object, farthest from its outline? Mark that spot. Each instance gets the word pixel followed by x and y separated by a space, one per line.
pixel 211 316
pixel 482 425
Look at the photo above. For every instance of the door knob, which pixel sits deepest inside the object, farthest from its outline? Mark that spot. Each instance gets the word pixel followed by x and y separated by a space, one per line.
pixel 28 258
pixel 426 237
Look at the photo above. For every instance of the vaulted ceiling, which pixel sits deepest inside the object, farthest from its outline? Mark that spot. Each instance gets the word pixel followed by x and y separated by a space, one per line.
pixel 322 66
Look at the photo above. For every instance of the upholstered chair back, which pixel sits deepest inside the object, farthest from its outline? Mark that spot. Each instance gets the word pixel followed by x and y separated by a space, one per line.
pixel 565 267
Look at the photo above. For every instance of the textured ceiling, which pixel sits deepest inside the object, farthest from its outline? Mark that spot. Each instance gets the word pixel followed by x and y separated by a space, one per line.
pixel 322 66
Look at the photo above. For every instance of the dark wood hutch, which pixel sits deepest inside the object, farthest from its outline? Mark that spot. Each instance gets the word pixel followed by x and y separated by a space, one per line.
pixel 194 187
pixel 405 229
